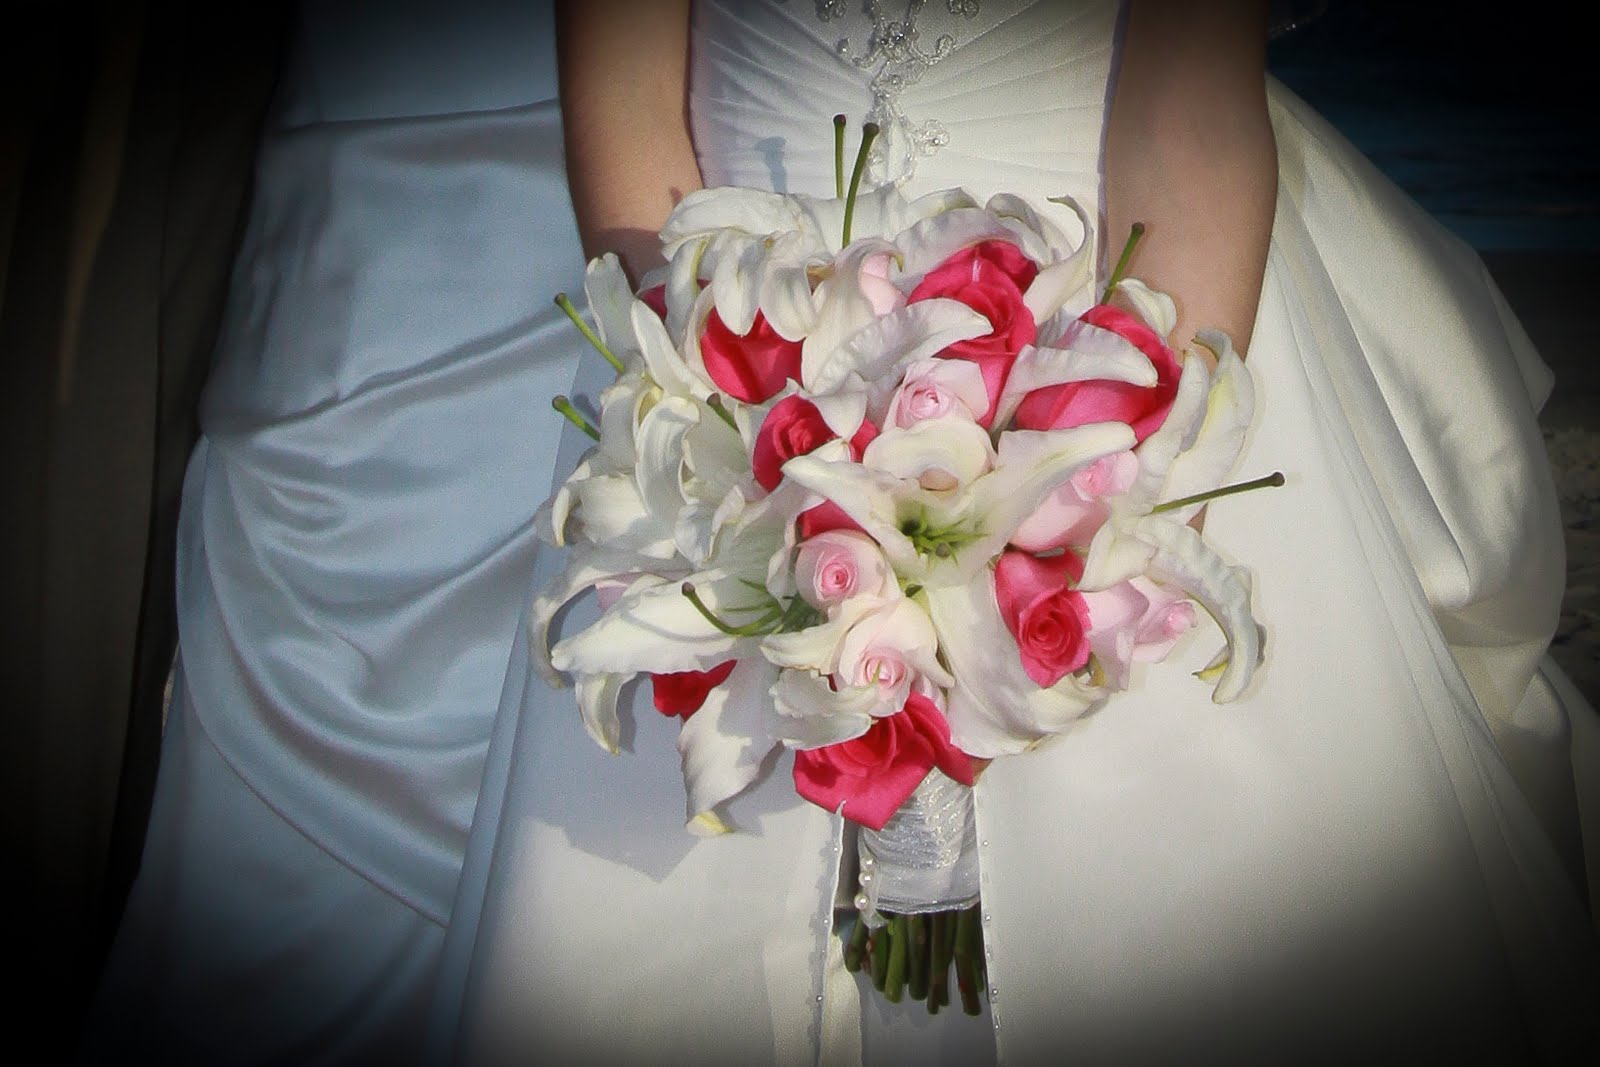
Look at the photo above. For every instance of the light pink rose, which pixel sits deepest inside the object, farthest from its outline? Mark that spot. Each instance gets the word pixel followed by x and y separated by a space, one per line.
pixel 1070 516
pixel 1135 621
pixel 881 293
pixel 935 388
pixel 608 591
pixel 1169 616
pixel 895 649
pixel 832 567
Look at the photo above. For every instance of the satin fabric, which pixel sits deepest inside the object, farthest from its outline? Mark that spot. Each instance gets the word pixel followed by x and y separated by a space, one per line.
pixel 1340 867
pixel 356 539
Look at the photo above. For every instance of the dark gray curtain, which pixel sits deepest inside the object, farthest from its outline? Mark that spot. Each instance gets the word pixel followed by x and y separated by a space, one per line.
pixel 127 142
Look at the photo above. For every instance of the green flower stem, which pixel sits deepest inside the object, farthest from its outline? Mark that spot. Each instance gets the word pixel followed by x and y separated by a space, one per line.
pixel 714 402
pixel 565 304
pixel 869 133
pixel 1136 232
pixel 1273 479
pixel 838 157
pixel 878 949
pixel 899 944
pixel 917 957
pixel 969 959
pixel 947 955
pixel 856 948
pixel 574 416
pixel 938 961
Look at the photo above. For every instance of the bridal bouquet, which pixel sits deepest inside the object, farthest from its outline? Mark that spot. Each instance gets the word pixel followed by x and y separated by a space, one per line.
pixel 886 483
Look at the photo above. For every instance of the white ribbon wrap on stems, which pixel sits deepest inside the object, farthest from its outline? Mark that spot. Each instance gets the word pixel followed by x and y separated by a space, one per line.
pixel 925 858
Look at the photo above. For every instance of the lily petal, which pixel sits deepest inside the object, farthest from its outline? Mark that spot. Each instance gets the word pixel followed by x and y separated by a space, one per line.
pixel 613 512
pixel 1182 559
pixel 995 709
pixel 585 568
pixel 1079 351
pixel 611 303
pixel 724 744
pixel 1176 433
pixel 654 627
pixel 1230 407
pixel 1153 306
pixel 597 703
pixel 661 358
pixel 955 449
pixel 814 714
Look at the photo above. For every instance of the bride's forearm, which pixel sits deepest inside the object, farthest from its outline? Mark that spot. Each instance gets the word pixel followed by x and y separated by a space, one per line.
pixel 1190 153
pixel 624 78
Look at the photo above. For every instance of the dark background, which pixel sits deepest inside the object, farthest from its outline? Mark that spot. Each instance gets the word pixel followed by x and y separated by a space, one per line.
pixel 1483 112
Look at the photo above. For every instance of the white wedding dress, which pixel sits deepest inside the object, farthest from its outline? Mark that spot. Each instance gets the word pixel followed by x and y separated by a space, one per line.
pixel 1375 856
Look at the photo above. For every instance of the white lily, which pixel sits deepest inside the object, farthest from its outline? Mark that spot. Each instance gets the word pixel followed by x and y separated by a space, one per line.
pixel 994 708
pixel 941 455
pixel 761 249
pixel 724 744
pixel 586 566
pixel 945 537
pixel 1192 452
pixel 814 713
pixel 1072 351
pixel 1062 286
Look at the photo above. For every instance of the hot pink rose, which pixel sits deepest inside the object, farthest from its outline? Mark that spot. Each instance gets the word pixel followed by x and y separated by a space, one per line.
pixel 872 775
pixel 682 692
pixel 1061 407
pixel 655 298
pixel 794 427
pixel 752 368
pixel 824 517
pixel 990 277
pixel 1048 618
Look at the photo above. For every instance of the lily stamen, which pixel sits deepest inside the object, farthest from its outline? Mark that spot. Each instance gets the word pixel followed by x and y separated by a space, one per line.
pixel 565 304
pixel 749 629
pixel 574 416
pixel 1134 233
pixel 1273 479
pixel 838 157
pixel 869 133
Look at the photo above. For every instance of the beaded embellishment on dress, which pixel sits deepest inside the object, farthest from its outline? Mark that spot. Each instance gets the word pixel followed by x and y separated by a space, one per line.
pixel 893 50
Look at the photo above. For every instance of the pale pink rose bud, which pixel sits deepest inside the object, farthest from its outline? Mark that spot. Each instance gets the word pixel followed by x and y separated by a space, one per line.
pixel 1107 476
pixel 1169 616
pixel 893 648
pixel 1071 515
pixel 880 292
pixel 832 567
pixel 935 388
